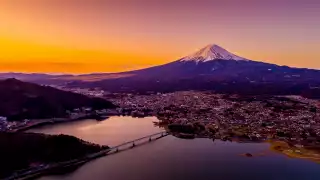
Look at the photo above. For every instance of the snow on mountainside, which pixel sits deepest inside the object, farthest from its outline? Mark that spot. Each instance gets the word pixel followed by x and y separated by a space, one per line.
pixel 212 52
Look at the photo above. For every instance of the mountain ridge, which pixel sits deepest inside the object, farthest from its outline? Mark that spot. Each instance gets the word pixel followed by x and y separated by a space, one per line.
pixel 24 100
pixel 210 68
pixel 222 73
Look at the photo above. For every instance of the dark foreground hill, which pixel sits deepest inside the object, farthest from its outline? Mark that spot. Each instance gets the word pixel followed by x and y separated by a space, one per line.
pixel 20 100
pixel 19 151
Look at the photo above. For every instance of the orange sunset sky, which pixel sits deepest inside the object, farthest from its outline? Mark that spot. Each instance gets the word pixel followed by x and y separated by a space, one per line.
pixel 84 36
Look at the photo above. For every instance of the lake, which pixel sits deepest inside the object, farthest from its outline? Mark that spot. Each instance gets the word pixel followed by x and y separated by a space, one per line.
pixel 171 158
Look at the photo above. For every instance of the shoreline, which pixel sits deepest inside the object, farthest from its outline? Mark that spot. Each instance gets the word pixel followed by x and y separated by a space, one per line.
pixel 43 123
pixel 294 151
pixel 52 121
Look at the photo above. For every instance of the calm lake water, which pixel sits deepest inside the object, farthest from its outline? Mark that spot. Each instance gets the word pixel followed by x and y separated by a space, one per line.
pixel 171 158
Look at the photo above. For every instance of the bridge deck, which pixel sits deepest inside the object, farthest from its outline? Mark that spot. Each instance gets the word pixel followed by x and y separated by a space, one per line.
pixel 133 143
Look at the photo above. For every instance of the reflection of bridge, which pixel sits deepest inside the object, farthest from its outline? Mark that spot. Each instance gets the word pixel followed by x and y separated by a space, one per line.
pixel 133 143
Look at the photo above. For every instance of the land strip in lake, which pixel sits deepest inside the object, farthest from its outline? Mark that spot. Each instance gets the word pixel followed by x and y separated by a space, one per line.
pixel 63 166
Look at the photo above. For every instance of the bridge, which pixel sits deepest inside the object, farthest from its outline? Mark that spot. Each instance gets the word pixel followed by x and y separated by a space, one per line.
pixel 130 144
pixel 139 141
pixel 38 171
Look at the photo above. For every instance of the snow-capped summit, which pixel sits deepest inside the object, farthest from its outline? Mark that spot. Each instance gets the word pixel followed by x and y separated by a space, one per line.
pixel 212 52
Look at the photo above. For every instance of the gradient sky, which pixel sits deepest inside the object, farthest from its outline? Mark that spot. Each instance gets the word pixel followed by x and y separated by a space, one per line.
pixel 82 36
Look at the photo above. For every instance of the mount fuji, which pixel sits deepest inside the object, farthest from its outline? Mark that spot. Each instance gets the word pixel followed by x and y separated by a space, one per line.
pixel 214 63
pixel 210 60
pixel 210 68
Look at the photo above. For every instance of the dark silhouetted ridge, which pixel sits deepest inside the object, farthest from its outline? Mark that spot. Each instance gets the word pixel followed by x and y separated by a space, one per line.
pixel 22 100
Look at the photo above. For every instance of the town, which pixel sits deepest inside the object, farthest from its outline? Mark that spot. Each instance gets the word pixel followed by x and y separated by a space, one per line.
pixel 252 118
pixel 291 118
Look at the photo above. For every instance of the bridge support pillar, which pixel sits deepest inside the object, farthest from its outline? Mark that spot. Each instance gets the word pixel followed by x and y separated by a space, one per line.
pixel 150 139
pixel 133 145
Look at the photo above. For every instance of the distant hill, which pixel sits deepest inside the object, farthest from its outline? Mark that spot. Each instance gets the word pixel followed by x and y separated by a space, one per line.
pixel 21 100
pixel 26 77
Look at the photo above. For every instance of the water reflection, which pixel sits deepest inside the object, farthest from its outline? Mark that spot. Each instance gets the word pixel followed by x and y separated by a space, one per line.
pixel 112 131
pixel 171 158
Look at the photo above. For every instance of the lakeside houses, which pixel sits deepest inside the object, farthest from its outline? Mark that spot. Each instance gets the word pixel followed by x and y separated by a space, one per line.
pixel 91 92
pixel 291 118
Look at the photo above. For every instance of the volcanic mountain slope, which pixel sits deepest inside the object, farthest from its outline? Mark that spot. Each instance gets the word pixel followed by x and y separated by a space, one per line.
pixel 210 68
pixel 21 100
pixel 220 65
pixel 214 68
